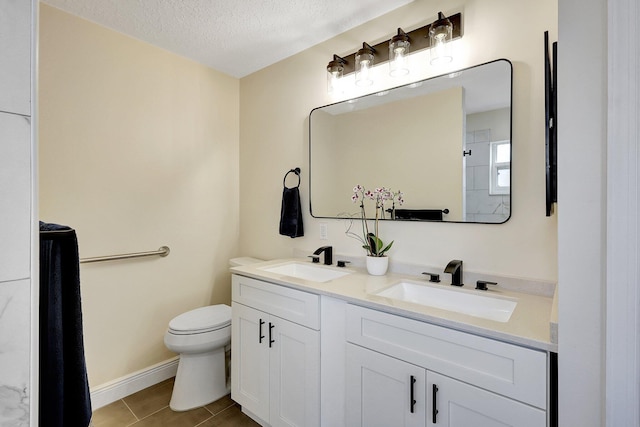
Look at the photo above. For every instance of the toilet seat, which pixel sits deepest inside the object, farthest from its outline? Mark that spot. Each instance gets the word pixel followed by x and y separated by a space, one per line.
pixel 201 320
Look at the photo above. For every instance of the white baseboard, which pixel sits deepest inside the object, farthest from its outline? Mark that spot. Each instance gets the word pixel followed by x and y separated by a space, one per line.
pixel 107 393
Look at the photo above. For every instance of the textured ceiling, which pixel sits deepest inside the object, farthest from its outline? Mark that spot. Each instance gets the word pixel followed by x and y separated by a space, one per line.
pixel 235 37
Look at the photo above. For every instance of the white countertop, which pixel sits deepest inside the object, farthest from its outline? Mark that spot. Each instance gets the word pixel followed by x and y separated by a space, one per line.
pixel 529 324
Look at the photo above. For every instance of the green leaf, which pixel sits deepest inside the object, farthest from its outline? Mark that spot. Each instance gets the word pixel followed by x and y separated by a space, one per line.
pixel 386 248
pixel 374 243
pixel 377 245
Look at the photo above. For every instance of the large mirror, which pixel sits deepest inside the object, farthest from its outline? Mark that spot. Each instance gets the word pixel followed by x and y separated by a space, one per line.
pixel 444 142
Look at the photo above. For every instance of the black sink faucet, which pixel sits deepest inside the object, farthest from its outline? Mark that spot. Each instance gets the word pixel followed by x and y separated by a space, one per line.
pixel 328 254
pixel 455 268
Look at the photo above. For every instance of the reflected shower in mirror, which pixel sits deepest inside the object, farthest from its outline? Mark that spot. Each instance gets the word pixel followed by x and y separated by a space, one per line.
pixel 444 142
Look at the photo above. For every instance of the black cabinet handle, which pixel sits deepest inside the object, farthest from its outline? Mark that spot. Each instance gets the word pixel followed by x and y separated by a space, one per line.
pixel 435 403
pixel 260 336
pixel 271 340
pixel 413 400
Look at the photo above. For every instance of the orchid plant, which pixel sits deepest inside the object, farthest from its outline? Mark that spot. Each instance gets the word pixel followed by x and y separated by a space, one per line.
pixel 370 240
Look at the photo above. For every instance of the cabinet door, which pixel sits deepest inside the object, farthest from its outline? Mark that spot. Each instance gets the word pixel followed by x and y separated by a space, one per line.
pixel 15 197
pixel 506 369
pixel 295 374
pixel 15 56
pixel 383 391
pixel 250 359
pixel 461 405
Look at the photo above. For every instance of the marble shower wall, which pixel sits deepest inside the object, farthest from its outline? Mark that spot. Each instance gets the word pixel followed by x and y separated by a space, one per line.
pixel 16 210
pixel 14 353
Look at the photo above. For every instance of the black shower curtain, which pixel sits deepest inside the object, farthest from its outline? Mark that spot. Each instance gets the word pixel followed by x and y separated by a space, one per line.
pixel 65 400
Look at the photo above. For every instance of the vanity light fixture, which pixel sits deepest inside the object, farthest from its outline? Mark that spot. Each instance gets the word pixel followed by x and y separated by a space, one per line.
pixel 335 71
pixel 440 35
pixel 364 63
pixel 398 51
pixel 436 35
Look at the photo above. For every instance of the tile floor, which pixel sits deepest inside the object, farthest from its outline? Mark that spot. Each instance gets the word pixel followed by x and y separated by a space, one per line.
pixel 150 408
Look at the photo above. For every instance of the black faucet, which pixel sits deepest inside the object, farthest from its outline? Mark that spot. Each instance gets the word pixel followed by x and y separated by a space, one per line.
pixel 455 268
pixel 328 254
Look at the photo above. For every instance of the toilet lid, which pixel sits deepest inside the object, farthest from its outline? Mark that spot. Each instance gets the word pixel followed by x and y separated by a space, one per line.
pixel 202 319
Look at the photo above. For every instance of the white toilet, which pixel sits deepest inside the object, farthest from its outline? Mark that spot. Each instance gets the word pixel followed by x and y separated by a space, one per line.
pixel 200 337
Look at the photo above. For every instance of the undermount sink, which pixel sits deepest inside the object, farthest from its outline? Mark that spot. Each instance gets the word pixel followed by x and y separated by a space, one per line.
pixel 458 300
pixel 306 271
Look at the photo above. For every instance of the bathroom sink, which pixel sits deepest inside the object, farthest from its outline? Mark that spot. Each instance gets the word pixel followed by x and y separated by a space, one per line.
pixel 471 303
pixel 306 271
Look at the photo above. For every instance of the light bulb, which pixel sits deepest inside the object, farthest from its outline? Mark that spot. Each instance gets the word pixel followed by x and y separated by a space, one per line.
pixel 334 76
pixel 334 80
pixel 440 34
pixel 441 51
pixel 398 50
pixel 364 62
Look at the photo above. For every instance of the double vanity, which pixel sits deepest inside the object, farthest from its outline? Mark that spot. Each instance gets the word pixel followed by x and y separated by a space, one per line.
pixel 316 345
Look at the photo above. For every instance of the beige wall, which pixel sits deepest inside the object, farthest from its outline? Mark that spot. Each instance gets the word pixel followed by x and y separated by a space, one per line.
pixel 274 107
pixel 138 149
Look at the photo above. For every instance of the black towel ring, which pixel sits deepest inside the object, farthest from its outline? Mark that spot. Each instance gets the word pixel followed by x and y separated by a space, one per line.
pixel 284 180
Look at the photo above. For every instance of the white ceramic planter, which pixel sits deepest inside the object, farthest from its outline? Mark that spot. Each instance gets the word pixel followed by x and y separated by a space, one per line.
pixel 377 266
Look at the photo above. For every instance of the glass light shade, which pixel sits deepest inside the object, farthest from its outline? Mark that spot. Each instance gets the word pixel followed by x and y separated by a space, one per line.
pixel 440 35
pixel 364 63
pixel 398 51
pixel 334 77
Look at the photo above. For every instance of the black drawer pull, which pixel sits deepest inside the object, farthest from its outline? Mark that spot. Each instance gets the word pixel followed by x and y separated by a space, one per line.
pixel 260 336
pixel 271 340
pixel 435 403
pixel 411 387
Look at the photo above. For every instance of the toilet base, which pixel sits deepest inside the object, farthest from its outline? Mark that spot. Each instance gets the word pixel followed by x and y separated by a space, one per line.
pixel 200 380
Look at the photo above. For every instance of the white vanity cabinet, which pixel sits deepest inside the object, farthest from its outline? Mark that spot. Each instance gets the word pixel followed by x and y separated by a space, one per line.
pixel 420 374
pixel 275 351
pixel 375 368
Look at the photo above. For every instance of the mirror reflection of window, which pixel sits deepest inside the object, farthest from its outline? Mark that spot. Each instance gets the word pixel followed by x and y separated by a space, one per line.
pixel 500 163
pixel 504 176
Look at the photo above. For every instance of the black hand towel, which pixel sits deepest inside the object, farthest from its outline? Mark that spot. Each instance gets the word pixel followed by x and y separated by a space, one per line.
pixel 65 400
pixel 291 213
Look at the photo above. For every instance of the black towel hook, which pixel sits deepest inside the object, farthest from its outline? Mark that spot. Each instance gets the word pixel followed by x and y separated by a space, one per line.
pixel 297 172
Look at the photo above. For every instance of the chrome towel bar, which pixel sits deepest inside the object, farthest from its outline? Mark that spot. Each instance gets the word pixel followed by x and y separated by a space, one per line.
pixel 162 251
